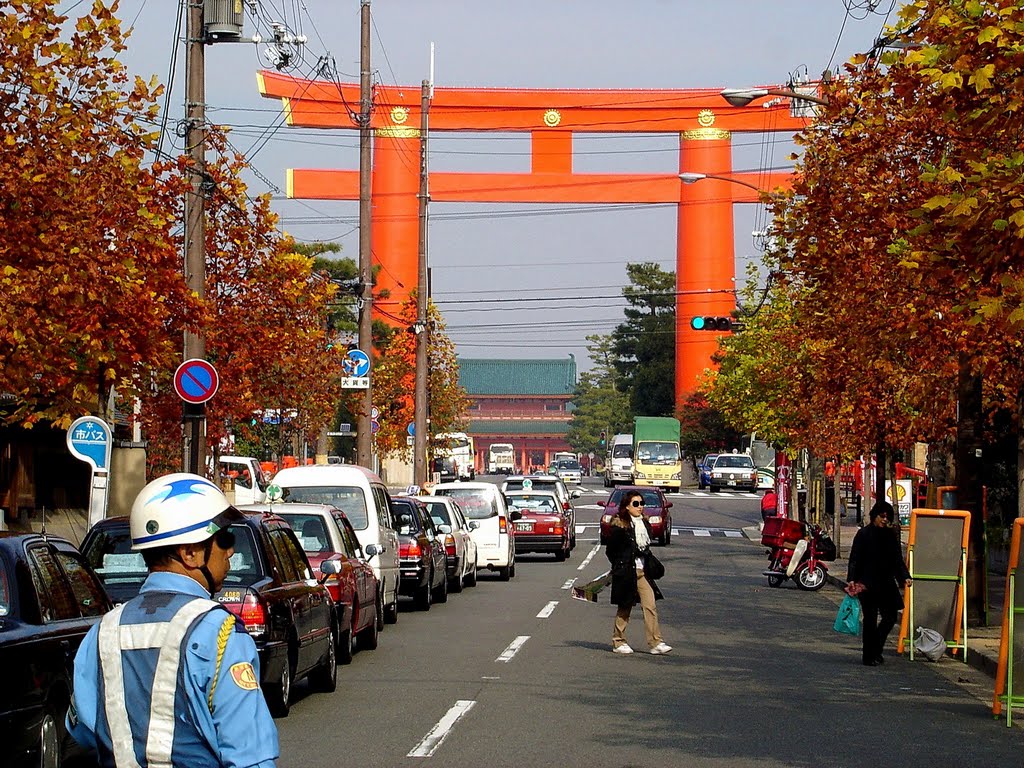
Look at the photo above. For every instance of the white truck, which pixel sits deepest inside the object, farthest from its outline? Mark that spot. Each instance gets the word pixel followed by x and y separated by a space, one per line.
pixel 249 481
pixel 618 464
pixel 501 459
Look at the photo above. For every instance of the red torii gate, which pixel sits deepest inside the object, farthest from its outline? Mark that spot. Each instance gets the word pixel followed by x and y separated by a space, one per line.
pixel 705 268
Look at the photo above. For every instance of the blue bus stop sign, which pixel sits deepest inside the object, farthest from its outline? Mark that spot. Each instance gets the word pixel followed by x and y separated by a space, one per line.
pixel 89 439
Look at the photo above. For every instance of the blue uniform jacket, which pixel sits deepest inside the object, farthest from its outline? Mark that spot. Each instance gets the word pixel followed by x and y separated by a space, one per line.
pixel 239 732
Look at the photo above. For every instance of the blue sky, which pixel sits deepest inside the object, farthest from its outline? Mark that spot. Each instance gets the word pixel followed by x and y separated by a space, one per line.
pixel 570 259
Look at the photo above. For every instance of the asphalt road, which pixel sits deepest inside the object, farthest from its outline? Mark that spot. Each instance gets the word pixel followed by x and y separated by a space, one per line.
pixel 519 674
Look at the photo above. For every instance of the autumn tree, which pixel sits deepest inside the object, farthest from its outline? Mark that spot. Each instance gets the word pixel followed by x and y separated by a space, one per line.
pixel 395 379
pixel 89 270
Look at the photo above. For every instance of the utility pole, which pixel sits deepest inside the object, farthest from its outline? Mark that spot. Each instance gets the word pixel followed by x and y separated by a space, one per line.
pixel 194 416
pixel 422 333
pixel 364 438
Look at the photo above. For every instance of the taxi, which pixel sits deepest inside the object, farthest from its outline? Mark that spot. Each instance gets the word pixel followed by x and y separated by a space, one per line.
pixel 543 525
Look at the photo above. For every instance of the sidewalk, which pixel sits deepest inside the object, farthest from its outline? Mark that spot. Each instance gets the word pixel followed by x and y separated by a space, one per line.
pixel 982 642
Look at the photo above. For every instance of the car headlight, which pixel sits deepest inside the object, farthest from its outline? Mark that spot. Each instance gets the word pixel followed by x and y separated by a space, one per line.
pixel 641 475
pixel 606 518
pixel 654 520
pixel 676 476
pixel 717 474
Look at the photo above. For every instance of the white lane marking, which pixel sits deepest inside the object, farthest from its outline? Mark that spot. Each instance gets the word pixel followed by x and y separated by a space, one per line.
pixel 547 610
pixel 701 532
pixel 569 583
pixel 439 732
pixel 588 558
pixel 589 506
pixel 513 648
pixel 734 534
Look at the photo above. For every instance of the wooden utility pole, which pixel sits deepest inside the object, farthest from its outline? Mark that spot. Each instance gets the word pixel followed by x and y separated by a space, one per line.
pixel 422 332
pixel 364 438
pixel 194 416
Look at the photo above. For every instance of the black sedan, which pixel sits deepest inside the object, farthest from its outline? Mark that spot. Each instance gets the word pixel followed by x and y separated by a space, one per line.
pixel 421 554
pixel 270 587
pixel 49 598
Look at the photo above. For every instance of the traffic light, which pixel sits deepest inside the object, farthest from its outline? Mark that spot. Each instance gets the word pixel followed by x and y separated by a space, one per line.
pixel 711 323
pixel 603 435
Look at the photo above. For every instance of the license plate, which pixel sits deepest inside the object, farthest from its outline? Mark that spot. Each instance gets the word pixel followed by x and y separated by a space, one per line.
pixel 230 596
pixel 527 527
pixel 732 482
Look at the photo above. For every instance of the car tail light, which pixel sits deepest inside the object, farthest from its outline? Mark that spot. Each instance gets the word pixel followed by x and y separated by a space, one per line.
pixel 410 550
pixel 333 586
pixel 565 506
pixel 449 545
pixel 502 524
pixel 252 614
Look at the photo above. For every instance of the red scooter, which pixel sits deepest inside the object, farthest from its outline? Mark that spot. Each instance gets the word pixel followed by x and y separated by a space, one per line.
pixel 796 551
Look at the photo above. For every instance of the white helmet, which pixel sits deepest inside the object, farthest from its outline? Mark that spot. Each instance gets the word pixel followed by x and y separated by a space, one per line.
pixel 180 508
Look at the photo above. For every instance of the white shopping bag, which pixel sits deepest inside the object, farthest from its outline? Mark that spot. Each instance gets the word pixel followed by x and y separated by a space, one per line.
pixel 929 643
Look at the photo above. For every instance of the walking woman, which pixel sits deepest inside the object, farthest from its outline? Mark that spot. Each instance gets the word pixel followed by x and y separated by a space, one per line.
pixel 627 550
pixel 876 572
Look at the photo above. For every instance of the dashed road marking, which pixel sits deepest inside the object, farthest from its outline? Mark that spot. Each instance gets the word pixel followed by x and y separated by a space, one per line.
pixel 568 584
pixel 513 648
pixel 547 610
pixel 439 732
pixel 588 558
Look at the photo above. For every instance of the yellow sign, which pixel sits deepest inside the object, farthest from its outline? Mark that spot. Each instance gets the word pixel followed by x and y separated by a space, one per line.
pixel 244 676
pixel 706 118
pixel 552 118
pixel 399 115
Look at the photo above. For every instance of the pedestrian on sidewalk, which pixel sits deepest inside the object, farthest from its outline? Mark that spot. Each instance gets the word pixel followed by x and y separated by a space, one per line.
pixel 628 551
pixel 876 571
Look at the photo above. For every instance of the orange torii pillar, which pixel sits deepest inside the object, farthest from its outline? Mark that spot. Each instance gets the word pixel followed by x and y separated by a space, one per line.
pixel 705 260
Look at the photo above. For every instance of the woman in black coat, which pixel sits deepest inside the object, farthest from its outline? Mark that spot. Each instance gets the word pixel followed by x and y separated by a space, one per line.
pixel 875 574
pixel 628 543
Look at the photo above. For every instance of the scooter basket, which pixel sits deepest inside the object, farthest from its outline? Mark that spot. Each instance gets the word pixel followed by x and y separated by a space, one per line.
pixel 781 532
pixel 825 548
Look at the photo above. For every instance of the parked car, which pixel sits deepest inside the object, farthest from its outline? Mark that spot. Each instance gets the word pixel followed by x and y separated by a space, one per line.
pixel 543 525
pixel 49 599
pixel 494 534
pixel 364 499
pixel 657 508
pixel 422 555
pixel 325 533
pixel 548 482
pixel 269 586
pixel 733 470
pixel 704 470
pixel 459 545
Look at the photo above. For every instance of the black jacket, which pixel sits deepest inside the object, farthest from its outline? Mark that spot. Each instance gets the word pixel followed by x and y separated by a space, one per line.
pixel 622 553
pixel 876 559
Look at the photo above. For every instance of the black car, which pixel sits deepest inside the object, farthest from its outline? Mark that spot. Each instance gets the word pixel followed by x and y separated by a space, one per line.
pixel 49 598
pixel 421 554
pixel 270 587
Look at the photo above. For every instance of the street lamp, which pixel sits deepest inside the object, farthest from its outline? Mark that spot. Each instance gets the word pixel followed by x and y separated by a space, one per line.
pixel 741 97
pixel 693 178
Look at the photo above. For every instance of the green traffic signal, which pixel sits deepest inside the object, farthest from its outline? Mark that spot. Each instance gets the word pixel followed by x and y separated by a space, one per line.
pixel 711 323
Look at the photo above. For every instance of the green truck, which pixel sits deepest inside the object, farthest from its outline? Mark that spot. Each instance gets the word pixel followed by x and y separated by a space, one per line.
pixel 656 456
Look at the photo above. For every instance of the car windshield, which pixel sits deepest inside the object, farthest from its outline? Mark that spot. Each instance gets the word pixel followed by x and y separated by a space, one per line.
pixel 571 465
pixel 244 568
pixel 439 512
pixel 347 498
pixel 476 503
pixel 406 518
pixel 536 485
pixel 658 453
pixel 110 554
pixel 524 502
pixel 709 459
pixel 651 497
pixel 310 530
pixel 622 451
pixel 734 461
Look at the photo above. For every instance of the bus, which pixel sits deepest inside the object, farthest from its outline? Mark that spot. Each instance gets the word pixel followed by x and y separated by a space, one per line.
pixel 457 446
pixel 501 459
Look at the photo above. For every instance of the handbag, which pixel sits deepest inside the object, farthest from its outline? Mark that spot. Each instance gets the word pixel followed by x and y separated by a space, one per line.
pixel 653 569
pixel 848 617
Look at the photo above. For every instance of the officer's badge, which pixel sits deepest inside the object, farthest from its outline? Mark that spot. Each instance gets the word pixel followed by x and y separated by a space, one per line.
pixel 244 676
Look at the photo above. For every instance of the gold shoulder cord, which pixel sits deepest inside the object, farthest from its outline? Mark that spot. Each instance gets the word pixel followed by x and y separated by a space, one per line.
pixel 222 643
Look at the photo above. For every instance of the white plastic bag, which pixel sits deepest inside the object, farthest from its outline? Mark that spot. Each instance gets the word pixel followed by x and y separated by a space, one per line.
pixel 929 643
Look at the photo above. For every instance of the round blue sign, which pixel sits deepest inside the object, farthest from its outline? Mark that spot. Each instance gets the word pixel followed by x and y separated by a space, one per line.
pixel 357 363
pixel 411 429
pixel 196 381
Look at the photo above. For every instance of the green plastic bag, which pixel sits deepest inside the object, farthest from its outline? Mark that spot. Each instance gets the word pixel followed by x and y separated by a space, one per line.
pixel 848 617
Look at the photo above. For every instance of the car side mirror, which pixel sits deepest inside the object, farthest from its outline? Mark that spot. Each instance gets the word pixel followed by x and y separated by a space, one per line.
pixel 444 528
pixel 575 493
pixel 514 515
pixel 329 567
pixel 474 524
pixel 372 550
pixel 668 505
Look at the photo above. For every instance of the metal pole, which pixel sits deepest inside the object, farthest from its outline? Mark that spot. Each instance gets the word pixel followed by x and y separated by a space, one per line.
pixel 364 438
pixel 422 333
pixel 194 417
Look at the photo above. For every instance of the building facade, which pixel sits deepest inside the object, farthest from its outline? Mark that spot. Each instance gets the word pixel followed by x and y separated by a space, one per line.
pixel 527 403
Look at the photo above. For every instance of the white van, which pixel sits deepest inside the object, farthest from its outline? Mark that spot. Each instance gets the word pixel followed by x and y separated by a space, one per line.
pixel 618 465
pixel 494 534
pixel 364 499
pixel 247 474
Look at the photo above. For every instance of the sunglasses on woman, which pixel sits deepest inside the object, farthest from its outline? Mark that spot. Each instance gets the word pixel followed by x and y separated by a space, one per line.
pixel 636 503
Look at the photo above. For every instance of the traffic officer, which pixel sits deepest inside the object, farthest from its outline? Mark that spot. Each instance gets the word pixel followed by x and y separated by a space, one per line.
pixel 171 678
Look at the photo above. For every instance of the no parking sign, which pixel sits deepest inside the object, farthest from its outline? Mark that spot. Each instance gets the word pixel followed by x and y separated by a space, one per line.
pixel 196 381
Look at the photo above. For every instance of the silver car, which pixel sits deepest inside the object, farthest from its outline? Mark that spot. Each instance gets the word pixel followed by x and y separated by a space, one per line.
pixel 460 548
